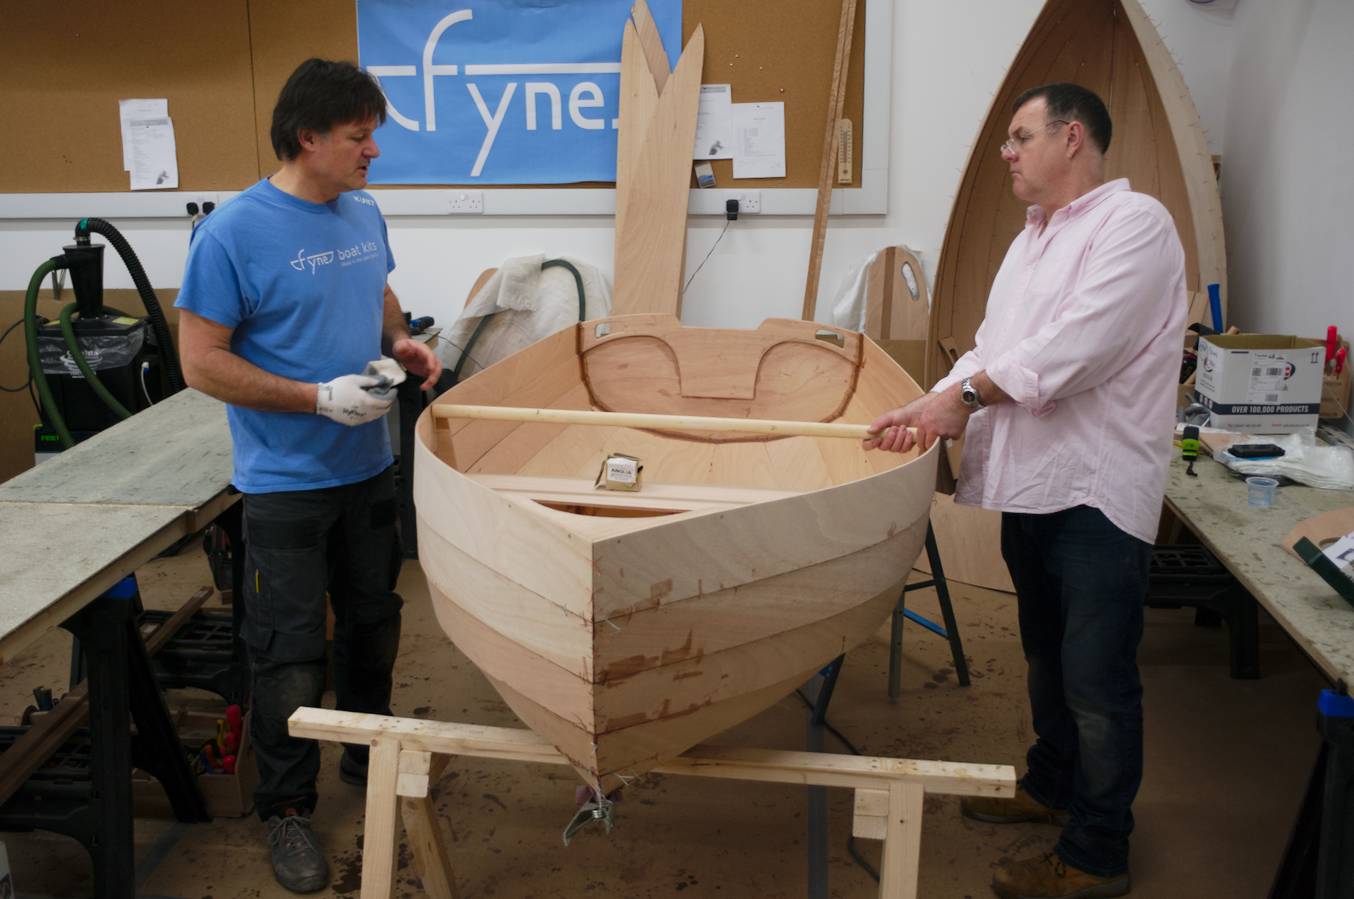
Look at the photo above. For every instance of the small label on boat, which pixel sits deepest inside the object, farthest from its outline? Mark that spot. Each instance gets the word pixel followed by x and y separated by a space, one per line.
pixel 619 472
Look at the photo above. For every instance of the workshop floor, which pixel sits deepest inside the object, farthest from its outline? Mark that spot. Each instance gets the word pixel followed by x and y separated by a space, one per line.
pixel 1226 764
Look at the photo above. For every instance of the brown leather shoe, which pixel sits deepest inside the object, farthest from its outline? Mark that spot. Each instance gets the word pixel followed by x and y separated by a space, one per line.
pixel 1049 876
pixel 1019 808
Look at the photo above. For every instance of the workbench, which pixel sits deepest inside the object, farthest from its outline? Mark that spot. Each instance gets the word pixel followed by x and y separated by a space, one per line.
pixel 72 529
pixel 1247 541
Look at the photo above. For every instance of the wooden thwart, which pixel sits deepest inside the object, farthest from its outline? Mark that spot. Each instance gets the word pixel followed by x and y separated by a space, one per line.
pixel 654 421
pixel 408 753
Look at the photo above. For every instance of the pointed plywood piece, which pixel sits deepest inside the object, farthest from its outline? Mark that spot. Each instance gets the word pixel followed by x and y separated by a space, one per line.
pixel 639 100
pixel 655 57
pixel 651 191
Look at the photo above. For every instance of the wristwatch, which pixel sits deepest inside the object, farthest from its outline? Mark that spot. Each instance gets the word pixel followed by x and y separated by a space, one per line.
pixel 968 394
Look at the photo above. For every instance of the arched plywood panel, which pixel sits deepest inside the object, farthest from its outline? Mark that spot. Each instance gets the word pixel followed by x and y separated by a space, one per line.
pixel 1111 47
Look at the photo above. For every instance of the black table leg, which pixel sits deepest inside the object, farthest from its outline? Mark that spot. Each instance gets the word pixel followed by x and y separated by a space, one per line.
pixel 817 796
pixel 1335 865
pixel 1319 859
pixel 103 628
pixel 121 684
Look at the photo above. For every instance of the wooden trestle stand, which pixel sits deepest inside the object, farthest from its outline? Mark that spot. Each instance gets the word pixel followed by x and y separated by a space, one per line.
pixel 407 754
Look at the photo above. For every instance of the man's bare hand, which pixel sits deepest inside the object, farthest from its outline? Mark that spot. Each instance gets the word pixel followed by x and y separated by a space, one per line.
pixel 419 359
pixel 934 416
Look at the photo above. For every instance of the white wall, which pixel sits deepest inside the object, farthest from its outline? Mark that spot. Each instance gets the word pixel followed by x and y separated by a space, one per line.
pixel 949 59
pixel 1288 188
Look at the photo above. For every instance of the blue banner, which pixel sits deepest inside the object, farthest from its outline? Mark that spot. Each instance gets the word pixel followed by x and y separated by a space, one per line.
pixel 500 91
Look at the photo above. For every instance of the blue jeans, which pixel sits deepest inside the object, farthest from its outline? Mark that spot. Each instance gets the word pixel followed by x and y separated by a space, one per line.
pixel 1080 584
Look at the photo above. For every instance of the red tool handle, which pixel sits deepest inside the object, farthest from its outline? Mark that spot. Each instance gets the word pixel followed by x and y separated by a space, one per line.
pixel 1332 341
pixel 1340 355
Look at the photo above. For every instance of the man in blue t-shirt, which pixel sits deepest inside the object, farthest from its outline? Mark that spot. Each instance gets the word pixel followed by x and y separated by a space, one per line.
pixel 284 304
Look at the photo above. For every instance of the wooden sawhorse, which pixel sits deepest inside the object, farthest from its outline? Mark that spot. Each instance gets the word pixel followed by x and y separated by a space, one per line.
pixel 408 753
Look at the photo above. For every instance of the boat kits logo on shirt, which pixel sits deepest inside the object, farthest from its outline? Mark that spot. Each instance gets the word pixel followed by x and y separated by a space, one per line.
pixel 356 253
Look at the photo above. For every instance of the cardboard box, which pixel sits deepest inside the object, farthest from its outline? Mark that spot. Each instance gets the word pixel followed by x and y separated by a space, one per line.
pixel 1261 383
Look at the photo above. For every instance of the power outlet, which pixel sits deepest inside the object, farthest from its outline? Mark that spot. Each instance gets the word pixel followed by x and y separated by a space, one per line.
pixel 749 201
pixel 466 202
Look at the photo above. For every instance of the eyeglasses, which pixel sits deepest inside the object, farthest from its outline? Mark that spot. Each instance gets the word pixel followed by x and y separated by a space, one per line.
pixel 1018 142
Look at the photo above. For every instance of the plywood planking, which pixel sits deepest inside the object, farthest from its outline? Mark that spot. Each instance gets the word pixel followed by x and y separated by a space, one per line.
pixel 692 683
pixel 634 750
pixel 508 661
pixel 501 533
pixel 671 560
pixel 713 622
pixel 541 626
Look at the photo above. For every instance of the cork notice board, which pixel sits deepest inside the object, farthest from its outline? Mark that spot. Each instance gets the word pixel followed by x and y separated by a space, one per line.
pixel 221 64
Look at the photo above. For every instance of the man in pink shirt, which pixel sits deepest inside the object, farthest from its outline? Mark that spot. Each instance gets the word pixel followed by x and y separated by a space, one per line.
pixel 1067 404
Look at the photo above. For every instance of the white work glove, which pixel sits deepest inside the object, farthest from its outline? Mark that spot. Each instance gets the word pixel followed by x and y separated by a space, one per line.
pixel 358 399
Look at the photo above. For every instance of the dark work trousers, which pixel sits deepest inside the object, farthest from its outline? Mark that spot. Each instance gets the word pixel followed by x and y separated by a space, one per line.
pixel 297 546
pixel 1080 584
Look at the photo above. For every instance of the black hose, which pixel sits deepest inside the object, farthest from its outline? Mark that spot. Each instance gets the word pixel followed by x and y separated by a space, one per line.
pixel 578 282
pixel 48 402
pixel 91 377
pixel 168 354
pixel 479 329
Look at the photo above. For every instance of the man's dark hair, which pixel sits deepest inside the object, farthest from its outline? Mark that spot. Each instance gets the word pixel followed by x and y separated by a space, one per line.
pixel 319 95
pixel 1073 103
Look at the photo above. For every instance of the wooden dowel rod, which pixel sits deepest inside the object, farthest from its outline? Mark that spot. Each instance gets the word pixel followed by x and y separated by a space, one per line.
pixel 655 421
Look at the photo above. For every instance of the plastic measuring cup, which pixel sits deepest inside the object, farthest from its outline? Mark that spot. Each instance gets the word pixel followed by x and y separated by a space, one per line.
pixel 1260 491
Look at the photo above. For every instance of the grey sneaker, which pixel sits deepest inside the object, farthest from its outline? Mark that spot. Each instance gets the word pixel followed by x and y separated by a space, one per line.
pixel 298 863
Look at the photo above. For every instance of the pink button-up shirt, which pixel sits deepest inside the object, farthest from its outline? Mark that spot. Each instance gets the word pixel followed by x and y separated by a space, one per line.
pixel 1084 330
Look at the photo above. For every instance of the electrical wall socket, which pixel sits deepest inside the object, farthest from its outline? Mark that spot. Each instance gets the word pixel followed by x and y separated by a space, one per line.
pixel 749 201
pixel 466 202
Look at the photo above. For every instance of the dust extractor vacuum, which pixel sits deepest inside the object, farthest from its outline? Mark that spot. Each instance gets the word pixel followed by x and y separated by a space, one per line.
pixel 95 365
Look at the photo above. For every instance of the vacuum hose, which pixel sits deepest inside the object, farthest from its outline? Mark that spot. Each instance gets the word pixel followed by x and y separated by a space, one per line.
pixel 68 332
pixel 83 229
pixel 34 361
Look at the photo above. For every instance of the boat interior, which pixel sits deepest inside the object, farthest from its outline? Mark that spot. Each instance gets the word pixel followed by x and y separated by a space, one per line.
pixel 787 370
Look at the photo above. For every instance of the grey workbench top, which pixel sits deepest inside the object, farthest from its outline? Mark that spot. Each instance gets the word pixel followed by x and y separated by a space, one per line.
pixel 1247 541
pixel 176 453
pixel 75 525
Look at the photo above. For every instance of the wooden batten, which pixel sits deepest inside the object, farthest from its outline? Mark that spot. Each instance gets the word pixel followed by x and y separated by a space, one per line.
pixel 1110 47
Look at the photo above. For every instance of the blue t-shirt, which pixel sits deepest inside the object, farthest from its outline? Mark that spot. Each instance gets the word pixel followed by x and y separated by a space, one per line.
pixel 302 284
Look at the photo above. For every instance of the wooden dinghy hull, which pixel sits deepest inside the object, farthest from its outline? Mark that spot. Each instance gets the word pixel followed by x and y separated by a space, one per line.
pixel 1112 48
pixel 627 627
